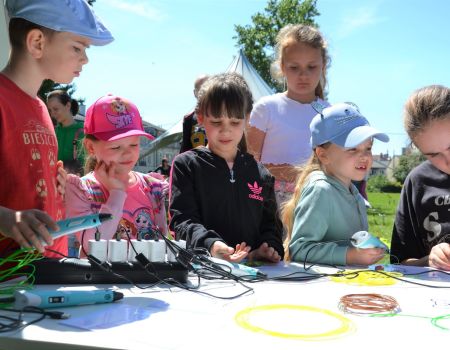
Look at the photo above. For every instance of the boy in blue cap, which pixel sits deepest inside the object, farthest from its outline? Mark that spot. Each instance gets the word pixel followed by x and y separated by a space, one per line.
pixel 48 40
pixel 326 208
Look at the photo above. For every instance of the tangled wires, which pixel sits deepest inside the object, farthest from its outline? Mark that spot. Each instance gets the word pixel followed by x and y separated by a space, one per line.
pixel 366 304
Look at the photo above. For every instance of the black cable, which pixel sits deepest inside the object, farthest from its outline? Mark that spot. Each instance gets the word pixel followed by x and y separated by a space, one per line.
pixel 204 268
pixel 7 300
pixel 59 253
pixel 179 253
pixel 17 323
pixel 107 267
pixel 316 244
pixel 196 262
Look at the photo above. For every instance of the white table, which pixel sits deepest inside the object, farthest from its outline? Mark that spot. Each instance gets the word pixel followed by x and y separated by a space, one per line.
pixel 160 318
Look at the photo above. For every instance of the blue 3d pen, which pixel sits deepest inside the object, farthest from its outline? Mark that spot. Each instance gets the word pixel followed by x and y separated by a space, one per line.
pixel 238 269
pixel 78 224
pixel 363 239
pixel 62 298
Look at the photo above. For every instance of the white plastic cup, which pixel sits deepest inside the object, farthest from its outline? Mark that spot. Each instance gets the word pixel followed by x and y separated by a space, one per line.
pixel 156 250
pixel 117 250
pixel 139 246
pixel 99 249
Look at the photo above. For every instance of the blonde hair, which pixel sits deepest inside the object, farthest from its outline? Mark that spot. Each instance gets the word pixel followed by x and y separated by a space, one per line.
pixel 424 106
pixel 287 211
pixel 301 33
pixel 90 161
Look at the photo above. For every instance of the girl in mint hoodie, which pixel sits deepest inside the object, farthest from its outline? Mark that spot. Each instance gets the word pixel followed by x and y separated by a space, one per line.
pixel 326 208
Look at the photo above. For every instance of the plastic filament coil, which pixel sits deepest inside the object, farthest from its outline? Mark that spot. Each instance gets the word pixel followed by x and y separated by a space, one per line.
pixel 367 304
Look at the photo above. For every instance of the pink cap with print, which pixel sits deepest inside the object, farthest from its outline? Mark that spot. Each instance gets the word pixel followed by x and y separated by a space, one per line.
pixel 112 118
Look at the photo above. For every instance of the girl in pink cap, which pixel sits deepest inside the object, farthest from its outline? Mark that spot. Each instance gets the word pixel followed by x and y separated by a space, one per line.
pixel 113 127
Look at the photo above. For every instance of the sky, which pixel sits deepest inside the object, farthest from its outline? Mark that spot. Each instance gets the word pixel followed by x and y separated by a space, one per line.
pixel 381 51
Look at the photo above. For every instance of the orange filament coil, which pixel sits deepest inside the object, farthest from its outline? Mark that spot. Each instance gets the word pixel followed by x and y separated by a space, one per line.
pixel 366 304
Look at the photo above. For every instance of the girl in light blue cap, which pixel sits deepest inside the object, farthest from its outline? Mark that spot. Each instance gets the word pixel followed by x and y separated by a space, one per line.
pixel 326 208
pixel 49 39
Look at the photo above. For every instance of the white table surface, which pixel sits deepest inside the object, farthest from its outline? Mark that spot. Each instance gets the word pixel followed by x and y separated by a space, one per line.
pixel 163 318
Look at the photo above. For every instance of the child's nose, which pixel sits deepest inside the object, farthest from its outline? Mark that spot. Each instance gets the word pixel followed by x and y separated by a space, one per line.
pixel 84 58
pixel 302 72
pixel 366 154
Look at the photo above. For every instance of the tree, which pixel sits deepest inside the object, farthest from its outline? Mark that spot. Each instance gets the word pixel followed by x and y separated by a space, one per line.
pixel 405 164
pixel 49 85
pixel 258 39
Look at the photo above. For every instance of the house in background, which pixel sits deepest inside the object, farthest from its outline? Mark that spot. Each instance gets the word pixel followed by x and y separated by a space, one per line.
pixel 395 161
pixel 151 160
pixel 380 164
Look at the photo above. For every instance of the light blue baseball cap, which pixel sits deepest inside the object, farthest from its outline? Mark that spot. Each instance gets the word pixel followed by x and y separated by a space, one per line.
pixel 343 125
pixel 73 16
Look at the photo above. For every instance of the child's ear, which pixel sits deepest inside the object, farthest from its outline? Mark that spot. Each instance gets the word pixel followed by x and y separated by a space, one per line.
pixel 322 155
pixel 89 146
pixel 35 41
pixel 200 118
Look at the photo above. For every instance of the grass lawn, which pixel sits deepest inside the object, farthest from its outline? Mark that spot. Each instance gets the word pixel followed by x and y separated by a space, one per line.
pixel 381 215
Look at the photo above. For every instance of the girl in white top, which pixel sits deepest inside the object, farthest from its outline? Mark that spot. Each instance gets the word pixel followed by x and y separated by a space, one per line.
pixel 279 134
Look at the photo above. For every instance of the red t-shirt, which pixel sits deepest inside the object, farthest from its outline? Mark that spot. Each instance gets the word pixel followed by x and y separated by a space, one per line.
pixel 28 155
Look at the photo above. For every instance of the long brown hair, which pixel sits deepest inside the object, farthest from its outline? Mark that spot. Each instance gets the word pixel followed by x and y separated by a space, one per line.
pixel 226 92
pixel 301 33
pixel 287 211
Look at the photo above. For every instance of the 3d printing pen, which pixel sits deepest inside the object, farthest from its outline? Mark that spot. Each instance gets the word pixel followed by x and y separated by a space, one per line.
pixel 238 269
pixel 79 223
pixel 363 239
pixel 59 298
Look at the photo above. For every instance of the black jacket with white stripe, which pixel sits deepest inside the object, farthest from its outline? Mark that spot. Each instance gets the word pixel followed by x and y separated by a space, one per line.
pixel 210 202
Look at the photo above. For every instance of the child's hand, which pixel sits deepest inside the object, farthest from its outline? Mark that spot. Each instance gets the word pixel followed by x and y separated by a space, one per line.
pixel 27 227
pixel 264 252
pixel 220 250
pixel 369 256
pixel 165 186
pixel 439 257
pixel 61 178
pixel 107 175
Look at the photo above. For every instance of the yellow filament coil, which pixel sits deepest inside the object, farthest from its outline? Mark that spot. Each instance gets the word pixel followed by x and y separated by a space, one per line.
pixel 243 319
pixel 367 278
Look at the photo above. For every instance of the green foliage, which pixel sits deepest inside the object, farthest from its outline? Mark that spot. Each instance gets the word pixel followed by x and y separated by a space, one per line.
pixel 382 214
pixel 380 183
pixel 406 163
pixel 258 39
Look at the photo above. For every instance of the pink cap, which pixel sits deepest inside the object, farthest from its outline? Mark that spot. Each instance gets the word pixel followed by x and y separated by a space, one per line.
pixel 112 118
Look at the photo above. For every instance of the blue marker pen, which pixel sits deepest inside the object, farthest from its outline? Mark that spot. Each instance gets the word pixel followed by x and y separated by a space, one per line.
pixel 363 239
pixel 59 298
pixel 78 224
pixel 238 269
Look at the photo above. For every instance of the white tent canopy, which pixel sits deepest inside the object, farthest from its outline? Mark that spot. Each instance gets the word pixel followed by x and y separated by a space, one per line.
pixel 241 65
pixel 257 85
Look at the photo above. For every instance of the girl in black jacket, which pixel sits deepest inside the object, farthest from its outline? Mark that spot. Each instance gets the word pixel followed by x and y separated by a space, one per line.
pixel 221 198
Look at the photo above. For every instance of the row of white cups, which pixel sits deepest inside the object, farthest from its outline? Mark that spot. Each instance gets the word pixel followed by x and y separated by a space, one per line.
pixel 122 251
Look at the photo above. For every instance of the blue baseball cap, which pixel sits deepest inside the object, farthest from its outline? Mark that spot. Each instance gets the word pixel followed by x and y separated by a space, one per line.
pixel 73 16
pixel 343 125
